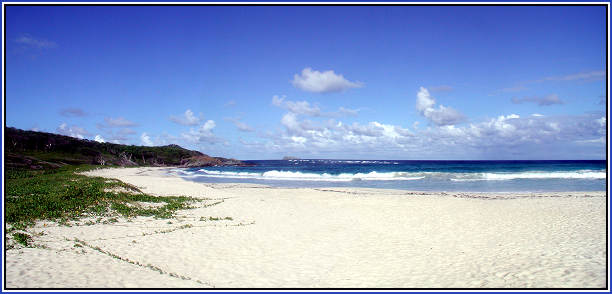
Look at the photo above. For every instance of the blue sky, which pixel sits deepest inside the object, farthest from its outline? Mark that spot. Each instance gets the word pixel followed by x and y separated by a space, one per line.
pixel 406 82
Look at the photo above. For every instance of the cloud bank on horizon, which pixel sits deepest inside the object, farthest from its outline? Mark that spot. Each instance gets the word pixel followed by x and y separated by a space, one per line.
pixel 306 129
pixel 376 94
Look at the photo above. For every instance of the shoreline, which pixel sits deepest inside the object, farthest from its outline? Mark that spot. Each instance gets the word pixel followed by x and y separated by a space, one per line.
pixel 523 181
pixel 274 237
pixel 163 172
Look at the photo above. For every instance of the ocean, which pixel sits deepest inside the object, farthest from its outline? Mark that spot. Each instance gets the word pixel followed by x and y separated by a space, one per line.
pixel 427 175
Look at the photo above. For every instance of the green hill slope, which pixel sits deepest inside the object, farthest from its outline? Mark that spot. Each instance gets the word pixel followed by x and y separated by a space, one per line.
pixel 38 150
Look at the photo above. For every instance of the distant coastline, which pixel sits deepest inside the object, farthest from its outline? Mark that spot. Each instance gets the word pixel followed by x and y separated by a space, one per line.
pixel 290 158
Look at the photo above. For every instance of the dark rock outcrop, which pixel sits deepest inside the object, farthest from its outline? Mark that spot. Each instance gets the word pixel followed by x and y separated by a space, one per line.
pixel 200 161
pixel 205 160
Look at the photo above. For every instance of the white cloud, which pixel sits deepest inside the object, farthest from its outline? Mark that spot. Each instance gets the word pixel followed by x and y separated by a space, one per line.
pixel 240 125
pixel 99 139
pixel 512 136
pixel 391 131
pixel 424 100
pixel 332 135
pixel 305 108
pixel 441 116
pixel 582 76
pixel 297 107
pixel 243 127
pixel 322 82
pixel 122 135
pixel 202 134
pixel 299 140
pixel 517 88
pixel 372 129
pixel 592 75
pixel 347 111
pixel 72 112
pixel 118 122
pixel 187 119
pixel 541 101
pixel 600 140
pixel 118 130
pixel 72 131
pixel 278 100
pixel 145 140
pixel 501 125
pixel 35 43
pixel 208 125
pixel 302 107
pixel 505 136
pixel 289 120
pixel 514 89
pixel 127 131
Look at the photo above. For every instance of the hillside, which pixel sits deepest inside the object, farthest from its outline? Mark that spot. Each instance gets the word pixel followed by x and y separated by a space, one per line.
pixel 36 150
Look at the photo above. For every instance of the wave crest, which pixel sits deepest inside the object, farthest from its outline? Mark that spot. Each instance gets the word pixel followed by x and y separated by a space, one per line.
pixel 400 176
pixel 300 176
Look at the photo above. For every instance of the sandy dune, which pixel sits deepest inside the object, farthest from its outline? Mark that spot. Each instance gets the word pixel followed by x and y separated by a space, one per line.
pixel 326 238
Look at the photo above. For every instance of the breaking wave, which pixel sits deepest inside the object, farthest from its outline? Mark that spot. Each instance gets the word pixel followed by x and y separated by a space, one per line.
pixel 300 176
pixel 398 176
pixel 581 174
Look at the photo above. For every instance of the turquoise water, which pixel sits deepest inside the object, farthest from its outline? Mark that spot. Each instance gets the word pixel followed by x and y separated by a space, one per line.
pixel 476 176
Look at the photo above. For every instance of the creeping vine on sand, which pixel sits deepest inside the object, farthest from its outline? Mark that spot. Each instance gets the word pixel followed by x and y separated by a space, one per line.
pixel 148 266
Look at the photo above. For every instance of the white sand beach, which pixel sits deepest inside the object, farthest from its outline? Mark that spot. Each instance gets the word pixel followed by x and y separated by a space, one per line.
pixel 326 238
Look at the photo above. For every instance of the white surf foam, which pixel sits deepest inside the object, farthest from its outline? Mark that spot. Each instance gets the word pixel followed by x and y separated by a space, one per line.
pixel 396 176
pixel 580 174
pixel 300 176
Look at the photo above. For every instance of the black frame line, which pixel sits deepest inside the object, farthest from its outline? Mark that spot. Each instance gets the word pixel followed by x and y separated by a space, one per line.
pixel 320 290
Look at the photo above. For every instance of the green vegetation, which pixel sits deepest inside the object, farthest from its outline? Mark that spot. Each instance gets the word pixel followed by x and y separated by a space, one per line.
pixel 39 150
pixel 210 218
pixel 61 194
pixel 24 239
pixel 82 243
pixel 43 181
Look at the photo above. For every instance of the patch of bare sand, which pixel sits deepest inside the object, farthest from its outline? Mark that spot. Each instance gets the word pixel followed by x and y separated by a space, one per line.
pixel 334 237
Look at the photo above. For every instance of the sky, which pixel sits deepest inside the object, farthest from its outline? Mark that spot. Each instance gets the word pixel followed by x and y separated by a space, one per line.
pixel 343 82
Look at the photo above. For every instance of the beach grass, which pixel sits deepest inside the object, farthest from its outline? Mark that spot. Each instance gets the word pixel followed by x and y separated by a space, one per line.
pixel 24 239
pixel 63 194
